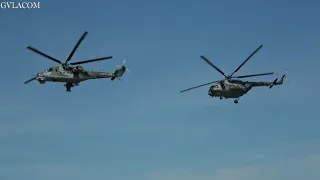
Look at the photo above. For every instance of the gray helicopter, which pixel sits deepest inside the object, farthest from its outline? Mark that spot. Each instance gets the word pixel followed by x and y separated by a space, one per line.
pixel 231 88
pixel 73 75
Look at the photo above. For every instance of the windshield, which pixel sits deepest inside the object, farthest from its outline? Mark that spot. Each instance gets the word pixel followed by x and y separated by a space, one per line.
pixel 48 70
pixel 235 81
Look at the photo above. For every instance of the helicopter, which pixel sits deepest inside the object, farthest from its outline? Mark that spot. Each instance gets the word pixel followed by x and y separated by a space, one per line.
pixel 233 88
pixel 73 75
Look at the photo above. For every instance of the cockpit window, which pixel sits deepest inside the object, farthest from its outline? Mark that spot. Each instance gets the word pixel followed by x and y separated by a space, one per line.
pixel 235 81
pixel 49 70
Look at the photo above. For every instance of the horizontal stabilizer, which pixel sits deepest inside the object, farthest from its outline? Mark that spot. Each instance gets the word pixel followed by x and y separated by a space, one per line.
pixel 274 82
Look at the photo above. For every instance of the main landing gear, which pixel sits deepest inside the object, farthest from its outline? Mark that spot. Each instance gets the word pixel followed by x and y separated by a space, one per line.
pixel 236 100
pixel 69 86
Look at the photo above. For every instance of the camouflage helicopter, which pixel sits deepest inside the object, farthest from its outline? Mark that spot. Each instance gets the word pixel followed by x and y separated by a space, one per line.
pixel 73 75
pixel 230 88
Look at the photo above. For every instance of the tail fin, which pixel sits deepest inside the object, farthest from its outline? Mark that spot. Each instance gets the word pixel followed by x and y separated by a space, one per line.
pixel 281 81
pixel 120 71
pixel 283 78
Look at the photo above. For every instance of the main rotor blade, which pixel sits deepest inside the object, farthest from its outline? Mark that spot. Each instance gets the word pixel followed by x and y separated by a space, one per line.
pixel 43 54
pixel 91 60
pixel 76 46
pixel 197 86
pixel 26 82
pixel 247 59
pixel 252 75
pixel 215 67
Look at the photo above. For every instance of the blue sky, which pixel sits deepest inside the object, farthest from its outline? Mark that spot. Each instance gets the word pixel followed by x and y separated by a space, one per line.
pixel 141 127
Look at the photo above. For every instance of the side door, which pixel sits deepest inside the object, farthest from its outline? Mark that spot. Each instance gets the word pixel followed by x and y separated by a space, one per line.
pixel 223 87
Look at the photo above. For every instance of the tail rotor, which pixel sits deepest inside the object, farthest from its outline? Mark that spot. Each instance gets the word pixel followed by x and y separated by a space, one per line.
pixel 121 69
pixel 123 65
pixel 284 77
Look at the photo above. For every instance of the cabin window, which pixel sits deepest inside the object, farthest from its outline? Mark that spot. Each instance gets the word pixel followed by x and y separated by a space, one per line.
pixel 222 86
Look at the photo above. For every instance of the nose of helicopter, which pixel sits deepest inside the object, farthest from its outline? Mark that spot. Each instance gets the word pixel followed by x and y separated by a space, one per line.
pixel 41 74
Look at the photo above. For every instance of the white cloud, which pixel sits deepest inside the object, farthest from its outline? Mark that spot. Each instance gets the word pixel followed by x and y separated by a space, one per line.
pixel 53 171
pixel 261 172
pixel 307 167
pixel 241 173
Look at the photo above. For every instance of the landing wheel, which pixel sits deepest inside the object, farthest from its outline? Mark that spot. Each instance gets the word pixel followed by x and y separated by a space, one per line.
pixel 221 97
pixel 68 87
pixel 236 101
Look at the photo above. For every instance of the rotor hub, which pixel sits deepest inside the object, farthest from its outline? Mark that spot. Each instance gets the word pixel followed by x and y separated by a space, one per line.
pixel 65 65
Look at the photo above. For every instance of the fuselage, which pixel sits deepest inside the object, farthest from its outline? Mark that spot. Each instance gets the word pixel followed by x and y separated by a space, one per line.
pixel 229 89
pixel 70 75
pixel 236 88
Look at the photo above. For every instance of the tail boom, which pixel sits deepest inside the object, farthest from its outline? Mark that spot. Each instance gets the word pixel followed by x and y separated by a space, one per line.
pixel 99 75
pixel 270 84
